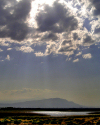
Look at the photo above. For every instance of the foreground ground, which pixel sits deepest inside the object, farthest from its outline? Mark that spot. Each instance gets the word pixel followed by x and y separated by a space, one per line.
pixel 24 117
pixel 50 120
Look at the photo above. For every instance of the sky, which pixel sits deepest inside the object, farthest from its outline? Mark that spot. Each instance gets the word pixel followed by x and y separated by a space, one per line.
pixel 50 49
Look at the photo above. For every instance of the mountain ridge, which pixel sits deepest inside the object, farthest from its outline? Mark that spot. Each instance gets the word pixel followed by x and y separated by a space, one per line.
pixel 44 103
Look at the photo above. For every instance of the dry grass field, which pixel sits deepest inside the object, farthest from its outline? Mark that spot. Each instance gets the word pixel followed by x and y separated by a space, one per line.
pixel 45 120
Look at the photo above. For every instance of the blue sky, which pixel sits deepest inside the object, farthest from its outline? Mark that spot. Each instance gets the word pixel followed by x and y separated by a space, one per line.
pixel 50 49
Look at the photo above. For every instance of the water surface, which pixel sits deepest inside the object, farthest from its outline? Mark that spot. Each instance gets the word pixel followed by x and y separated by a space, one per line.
pixel 60 113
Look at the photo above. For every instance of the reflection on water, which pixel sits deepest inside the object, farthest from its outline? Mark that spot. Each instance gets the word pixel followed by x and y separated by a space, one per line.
pixel 59 113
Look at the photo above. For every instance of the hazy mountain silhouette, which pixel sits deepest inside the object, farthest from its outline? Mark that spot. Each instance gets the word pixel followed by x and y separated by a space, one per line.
pixel 45 103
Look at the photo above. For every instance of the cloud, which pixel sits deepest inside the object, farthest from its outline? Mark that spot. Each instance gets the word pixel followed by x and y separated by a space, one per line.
pixel 56 19
pixel 68 59
pixel 64 27
pixel 8 58
pixel 96 4
pixel 39 54
pixel 78 54
pixel 97 30
pixel 68 42
pixel 9 49
pixel 4 43
pixel 75 36
pixel 12 19
pixel 1 50
pixel 88 40
pixel 76 60
pixel 27 94
pixel 18 30
pixel 25 49
pixel 50 36
pixel 1 60
pixel 51 48
pixel 87 56
pixel 29 90
pixel 66 49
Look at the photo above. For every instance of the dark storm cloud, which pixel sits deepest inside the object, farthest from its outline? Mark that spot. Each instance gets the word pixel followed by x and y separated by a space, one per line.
pixel 4 13
pixel 18 30
pixel 22 9
pixel 50 36
pixel 12 19
pixel 56 19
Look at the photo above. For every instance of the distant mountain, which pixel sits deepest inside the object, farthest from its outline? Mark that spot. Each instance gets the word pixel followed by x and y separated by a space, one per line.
pixel 45 103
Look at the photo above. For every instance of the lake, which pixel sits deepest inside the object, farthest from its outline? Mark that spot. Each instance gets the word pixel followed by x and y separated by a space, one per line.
pixel 60 113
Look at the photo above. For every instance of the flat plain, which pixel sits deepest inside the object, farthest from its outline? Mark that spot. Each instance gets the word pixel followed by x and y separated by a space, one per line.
pixel 17 116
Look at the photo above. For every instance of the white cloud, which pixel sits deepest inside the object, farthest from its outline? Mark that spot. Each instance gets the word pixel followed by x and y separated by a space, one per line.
pixel 69 53
pixel 4 43
pixel 9 49
pixel 87 56
pixel 68 59
pixel 1 50
pixel 78 54
pixel 25 49
pixel 39 54
pixel 76 60
pixel 8 58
